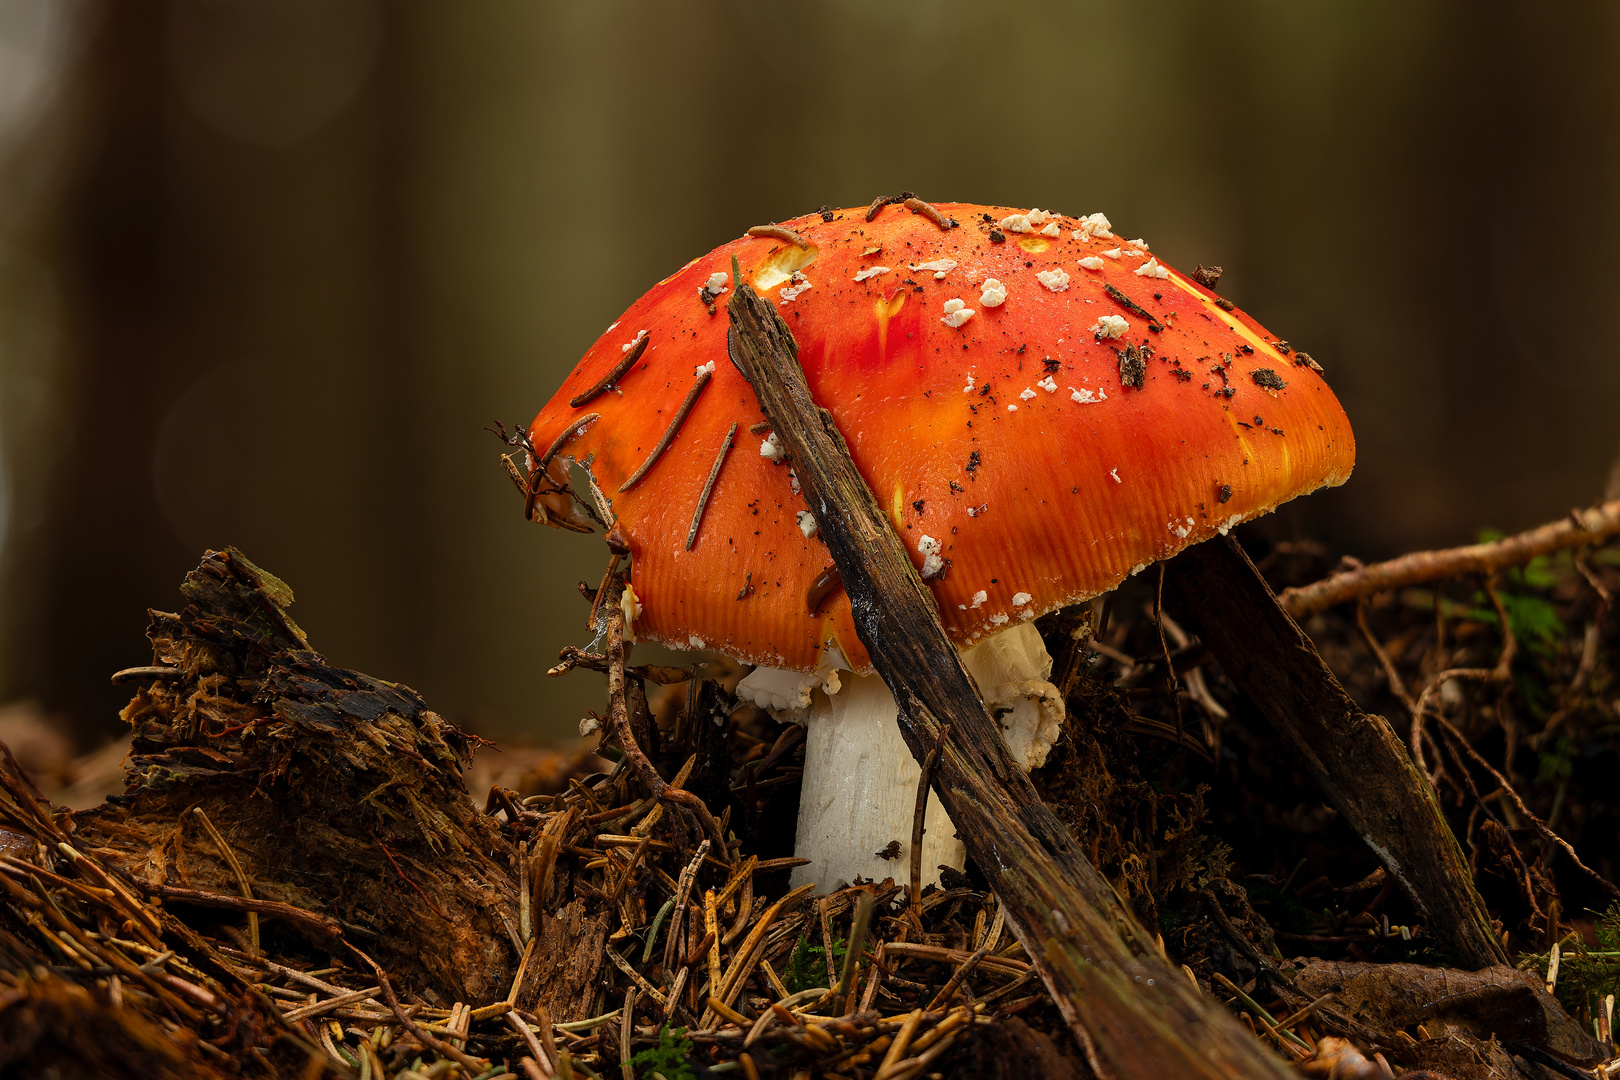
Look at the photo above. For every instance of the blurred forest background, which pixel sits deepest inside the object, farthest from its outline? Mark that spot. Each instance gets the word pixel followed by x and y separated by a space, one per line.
pixel 269 267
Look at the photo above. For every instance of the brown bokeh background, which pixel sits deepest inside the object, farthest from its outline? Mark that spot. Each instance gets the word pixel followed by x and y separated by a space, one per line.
pixel 268 269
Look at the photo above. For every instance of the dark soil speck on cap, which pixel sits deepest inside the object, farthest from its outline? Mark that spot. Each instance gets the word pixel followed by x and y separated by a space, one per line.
pixel 1132 367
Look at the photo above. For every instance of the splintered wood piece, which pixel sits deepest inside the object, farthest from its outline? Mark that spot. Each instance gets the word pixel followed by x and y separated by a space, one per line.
pixel 1132 1015
pixel 1355 758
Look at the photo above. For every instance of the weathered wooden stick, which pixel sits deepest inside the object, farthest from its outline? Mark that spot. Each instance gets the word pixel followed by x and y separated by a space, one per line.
pixel 1133 1015
pixel 1355 758
pixel 1590 526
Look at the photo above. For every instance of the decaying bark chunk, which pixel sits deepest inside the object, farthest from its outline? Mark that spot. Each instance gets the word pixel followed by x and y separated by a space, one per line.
pixel 338 793
pixel 1500 1003
pixel 567 960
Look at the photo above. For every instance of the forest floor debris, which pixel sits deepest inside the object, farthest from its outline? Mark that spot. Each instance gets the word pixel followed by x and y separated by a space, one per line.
pixel 294 881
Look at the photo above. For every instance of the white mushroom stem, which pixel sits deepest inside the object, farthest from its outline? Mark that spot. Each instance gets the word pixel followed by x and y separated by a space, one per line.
pixel 859 793
pixel 859 789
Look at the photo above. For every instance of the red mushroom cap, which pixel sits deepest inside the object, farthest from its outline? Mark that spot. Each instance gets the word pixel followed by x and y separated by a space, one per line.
pixel 1039 460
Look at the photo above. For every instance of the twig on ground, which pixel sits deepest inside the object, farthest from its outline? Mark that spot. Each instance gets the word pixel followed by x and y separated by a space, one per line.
pixel 439 1046
pixel 961 973
pixel 229 855
pixel 626 1028
pixel 1391 676
pixel 677 925
pixel 918 815
pixel 1539 825
pixel 859 925
pixel 619 717
pixel 1588 526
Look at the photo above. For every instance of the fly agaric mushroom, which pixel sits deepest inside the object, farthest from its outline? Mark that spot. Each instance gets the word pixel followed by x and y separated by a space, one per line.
pixel 1043 408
